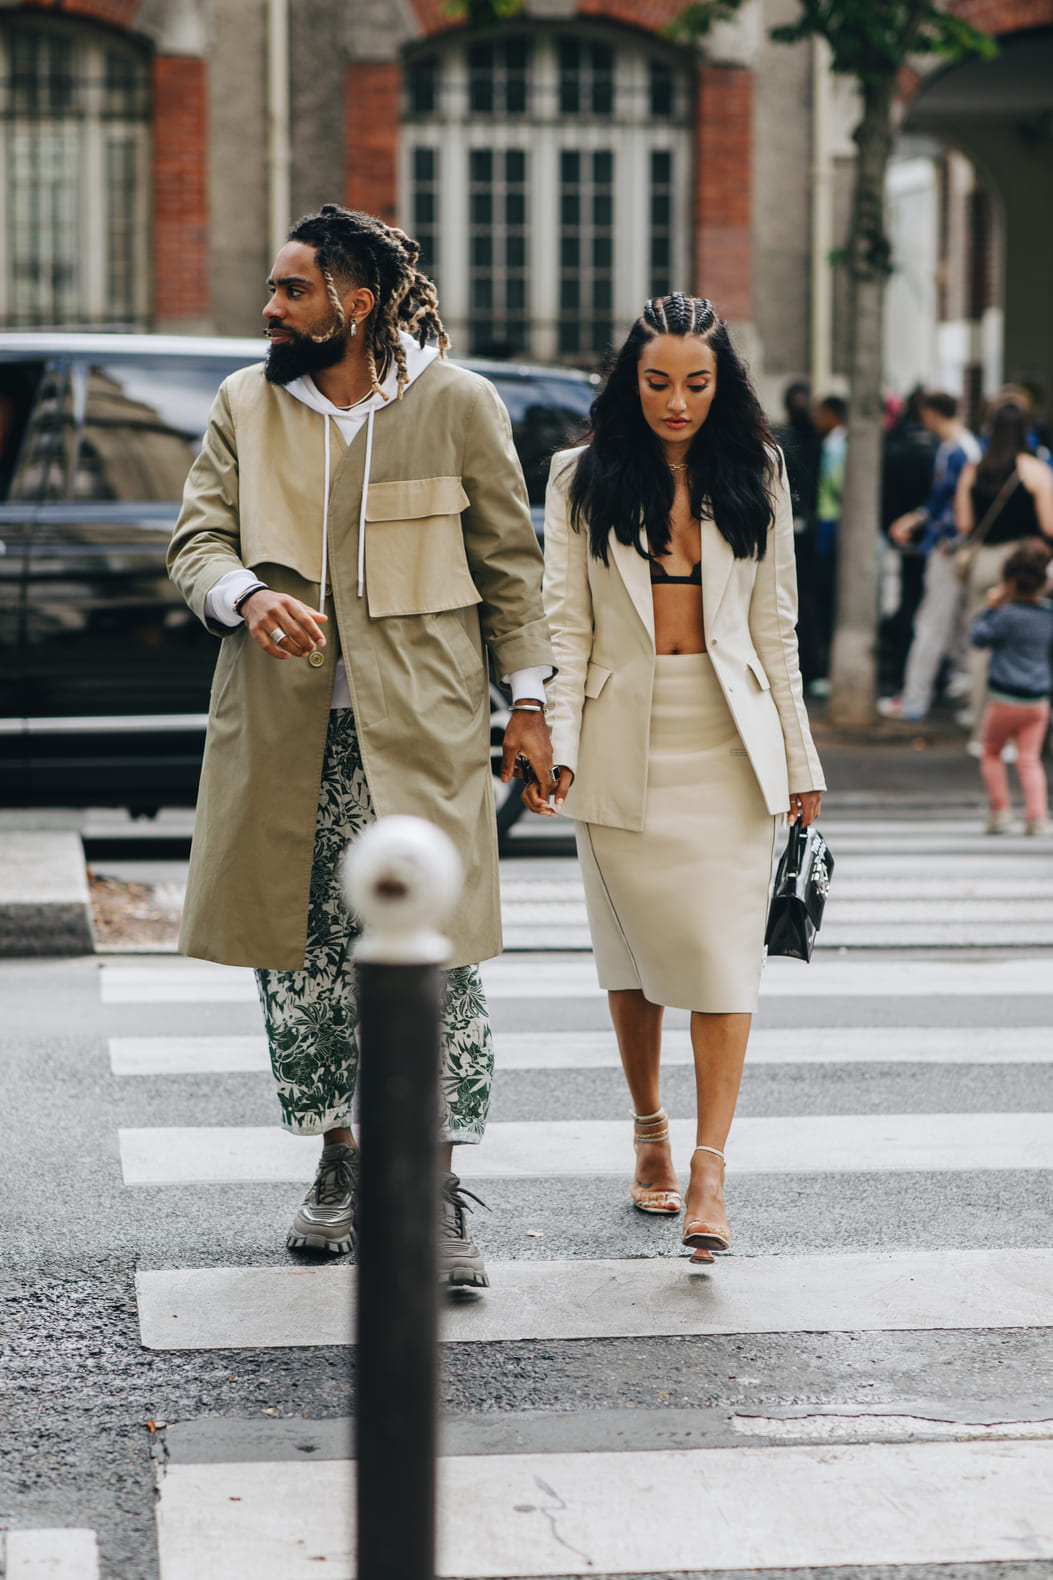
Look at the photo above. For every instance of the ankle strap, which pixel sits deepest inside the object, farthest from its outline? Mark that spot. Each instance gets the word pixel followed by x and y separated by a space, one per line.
pixel 649 1119
pixel 715 1153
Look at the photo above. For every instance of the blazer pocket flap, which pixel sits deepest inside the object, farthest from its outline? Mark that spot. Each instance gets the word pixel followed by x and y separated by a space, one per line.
pixel 756 669
pixel 411 499
pixel 596 677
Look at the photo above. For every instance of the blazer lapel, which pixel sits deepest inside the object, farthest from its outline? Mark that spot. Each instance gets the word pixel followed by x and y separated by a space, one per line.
pixel 717 563
pixel 634 572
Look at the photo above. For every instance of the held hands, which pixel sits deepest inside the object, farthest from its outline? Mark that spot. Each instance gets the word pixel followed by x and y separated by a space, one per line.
pixel 527 736
pixel 269 615
pixel 804 806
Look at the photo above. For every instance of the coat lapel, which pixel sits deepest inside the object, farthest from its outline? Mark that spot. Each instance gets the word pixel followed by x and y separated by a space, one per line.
pixel 717 563
pixel 634 572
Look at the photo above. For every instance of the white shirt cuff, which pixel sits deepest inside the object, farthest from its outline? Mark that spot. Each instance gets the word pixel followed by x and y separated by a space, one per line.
pixel 220 599
pixel 526 683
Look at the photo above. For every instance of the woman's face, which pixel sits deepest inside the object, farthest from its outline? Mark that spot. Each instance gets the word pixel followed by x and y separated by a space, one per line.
pixel 677 379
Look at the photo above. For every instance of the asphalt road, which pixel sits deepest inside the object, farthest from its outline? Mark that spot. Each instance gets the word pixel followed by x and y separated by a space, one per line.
pixel 95 1424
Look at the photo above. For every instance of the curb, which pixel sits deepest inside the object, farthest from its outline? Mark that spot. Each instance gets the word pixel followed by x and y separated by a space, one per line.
pixel 44 903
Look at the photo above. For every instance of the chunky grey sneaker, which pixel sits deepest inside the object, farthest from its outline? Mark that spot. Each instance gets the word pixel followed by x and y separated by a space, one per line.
pixel 325 1220
pixel 461 1264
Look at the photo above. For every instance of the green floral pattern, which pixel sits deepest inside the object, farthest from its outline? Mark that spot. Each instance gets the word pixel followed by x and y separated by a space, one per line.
pixel 311 1016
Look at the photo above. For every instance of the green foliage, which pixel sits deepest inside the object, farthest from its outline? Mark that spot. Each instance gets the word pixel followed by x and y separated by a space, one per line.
pixel 868 39
pixel 483 13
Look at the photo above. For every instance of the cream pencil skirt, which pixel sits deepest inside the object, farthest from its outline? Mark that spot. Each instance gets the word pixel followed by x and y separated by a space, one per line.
pixel 678 909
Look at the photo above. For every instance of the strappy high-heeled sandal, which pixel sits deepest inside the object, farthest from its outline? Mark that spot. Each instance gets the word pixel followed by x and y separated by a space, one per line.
pixel 699 1234
pixel 664 1203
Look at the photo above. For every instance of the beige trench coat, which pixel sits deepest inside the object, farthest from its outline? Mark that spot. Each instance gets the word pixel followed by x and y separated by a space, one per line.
pixel 451 562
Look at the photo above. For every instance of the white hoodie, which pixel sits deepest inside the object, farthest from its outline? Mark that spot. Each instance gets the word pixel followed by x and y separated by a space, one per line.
pixel 348 420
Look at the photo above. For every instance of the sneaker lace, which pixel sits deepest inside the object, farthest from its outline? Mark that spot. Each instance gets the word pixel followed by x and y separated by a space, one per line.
pixel 335 1181
pixel 454 1196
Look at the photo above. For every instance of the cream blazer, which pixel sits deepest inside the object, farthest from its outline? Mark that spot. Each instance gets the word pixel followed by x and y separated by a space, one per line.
pixel 602 623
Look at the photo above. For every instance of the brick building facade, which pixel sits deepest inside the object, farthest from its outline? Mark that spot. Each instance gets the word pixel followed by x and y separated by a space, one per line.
pixel 558 169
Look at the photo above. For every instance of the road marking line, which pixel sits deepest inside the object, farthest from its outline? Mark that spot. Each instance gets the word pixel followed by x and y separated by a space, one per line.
pixel 541 977
pixel 219 1308
pixel 187 1055
pixel 520 1515
pixel 65 1553
pixel 525 1050
pixel 807 1144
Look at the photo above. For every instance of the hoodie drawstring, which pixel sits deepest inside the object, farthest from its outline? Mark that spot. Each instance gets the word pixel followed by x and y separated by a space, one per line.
pixel 325 524
pixel 362 511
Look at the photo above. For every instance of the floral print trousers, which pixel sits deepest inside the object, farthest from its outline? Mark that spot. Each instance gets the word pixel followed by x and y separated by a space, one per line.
pixel 311 1015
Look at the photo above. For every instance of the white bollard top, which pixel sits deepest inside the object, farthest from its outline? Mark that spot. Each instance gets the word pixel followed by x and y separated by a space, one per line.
pixel 402 878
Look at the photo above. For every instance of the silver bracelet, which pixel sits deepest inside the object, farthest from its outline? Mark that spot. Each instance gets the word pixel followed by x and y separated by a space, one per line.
pixel 528 707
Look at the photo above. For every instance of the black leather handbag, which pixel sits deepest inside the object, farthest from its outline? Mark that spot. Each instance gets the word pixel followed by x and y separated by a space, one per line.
pixel 802 883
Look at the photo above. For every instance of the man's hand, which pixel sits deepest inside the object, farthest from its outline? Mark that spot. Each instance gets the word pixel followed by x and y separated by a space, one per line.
pixel 527 735
pixel 269 614
pixel 804 806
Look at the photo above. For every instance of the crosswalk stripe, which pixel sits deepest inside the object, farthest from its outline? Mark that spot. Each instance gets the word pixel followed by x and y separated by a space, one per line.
pixel 807 1144
pixel 264 1307
pixel 532 1515
pixel 187 1055
pixel 541 977
pixel 530 1050
pixel 58 1553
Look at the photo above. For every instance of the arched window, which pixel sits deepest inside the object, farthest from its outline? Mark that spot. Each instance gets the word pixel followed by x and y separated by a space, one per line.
pixel 74 177
pixel 547 175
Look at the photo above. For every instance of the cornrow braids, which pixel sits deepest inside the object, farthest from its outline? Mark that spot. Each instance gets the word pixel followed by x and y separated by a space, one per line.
pixel 678 314
pixel 357 248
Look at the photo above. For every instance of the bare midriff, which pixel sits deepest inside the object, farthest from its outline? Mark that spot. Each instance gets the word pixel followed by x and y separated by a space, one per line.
pixel 678 622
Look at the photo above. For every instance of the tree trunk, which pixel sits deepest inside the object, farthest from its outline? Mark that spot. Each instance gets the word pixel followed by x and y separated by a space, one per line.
pixel 853 673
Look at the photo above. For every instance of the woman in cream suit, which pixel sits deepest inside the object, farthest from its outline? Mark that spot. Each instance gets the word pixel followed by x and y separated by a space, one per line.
pixel 677 715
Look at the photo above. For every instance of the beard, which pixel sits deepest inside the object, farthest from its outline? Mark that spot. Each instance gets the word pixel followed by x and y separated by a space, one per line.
pixel 301 355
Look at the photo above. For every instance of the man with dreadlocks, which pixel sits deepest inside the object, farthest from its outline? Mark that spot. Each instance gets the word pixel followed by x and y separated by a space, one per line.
pixel 357 528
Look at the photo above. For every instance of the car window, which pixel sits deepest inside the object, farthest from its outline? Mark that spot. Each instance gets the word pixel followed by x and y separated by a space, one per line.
pixel 116 430
pixel 547 413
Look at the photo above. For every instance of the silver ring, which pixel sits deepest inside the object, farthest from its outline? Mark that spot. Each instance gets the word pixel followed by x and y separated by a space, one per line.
pixel 277 636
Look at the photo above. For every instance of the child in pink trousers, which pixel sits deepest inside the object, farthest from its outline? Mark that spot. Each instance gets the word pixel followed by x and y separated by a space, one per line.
pixel 1017 626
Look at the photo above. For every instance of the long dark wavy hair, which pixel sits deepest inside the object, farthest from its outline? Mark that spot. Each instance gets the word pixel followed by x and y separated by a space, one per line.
pixel 1008 439
pixel 622 478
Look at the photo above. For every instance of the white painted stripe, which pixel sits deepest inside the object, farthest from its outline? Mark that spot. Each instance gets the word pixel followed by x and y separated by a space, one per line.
pixel 556 895
pixel 527 1050
pixel 518 1515
pixel 187 1055
pixel 268 1307
pixel 544 977
pixel 806 1144
pixel 58 1554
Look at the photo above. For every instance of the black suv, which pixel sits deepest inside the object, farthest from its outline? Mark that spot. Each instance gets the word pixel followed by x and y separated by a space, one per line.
pixel 104 674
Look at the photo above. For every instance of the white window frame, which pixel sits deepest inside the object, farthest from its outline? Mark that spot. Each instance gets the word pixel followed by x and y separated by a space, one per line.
pixel 93 131
pixel 629 133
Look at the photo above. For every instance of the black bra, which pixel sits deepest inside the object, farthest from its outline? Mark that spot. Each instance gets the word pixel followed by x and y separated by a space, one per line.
pixel 661 577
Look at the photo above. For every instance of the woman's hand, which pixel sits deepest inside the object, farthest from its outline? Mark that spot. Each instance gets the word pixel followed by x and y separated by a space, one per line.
pixel 534 801
pixel 804 806
pixel 269 614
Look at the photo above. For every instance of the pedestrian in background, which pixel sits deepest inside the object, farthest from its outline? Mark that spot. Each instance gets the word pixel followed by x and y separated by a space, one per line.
pixel 1003 498
pixel 356 472
pixel 932 529
pixel 801 444
pixel 1017 630
pixel 831 417
pixel 678 718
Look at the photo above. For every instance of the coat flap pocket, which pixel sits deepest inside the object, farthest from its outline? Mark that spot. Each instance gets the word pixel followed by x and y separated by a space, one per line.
pixel 596 678
pixel 410 499
pixel 756 669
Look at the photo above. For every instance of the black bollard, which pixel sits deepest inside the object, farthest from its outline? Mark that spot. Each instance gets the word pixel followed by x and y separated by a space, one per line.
pixel 403 877
pixel 397 1272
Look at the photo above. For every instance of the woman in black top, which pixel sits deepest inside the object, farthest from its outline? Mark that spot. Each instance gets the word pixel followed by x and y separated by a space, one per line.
pixel 1004 497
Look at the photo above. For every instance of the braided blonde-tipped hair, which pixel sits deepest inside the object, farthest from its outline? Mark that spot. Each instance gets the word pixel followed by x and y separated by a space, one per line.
pixel 357 249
